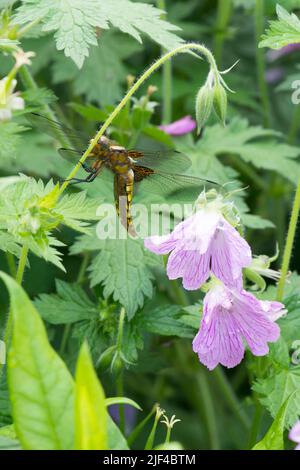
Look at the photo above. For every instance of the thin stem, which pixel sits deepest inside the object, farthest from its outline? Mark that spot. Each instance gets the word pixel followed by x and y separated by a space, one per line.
pixel 11 264
pixel 287 254
pixel 22 264
pixel 166 78
pixel 295 125
pixel 255 425
pixel 120 378
pixel 260 61
pixel 223 17
pixel 180 49
pixel 30 84
pixel 230 397
pixel 208 409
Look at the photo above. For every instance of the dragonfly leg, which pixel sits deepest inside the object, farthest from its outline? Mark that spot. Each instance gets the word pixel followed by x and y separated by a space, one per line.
pixel 89 179
pixel 87 168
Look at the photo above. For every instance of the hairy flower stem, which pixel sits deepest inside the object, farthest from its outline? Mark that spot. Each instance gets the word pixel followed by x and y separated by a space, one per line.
pixel 11 264
pixel 223 17
pixel 287 254
pixel 260 61
pixel 158 63
pixel 166 78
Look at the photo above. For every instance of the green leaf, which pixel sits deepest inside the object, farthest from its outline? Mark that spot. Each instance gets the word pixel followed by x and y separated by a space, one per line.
pixel 9 444
pixel 123 267
pixel 69 305
pixel 41 387
pixel 90 407
pixel 166 321
pixel 284 31
pixel 273 440
pixel 122 401
pixel 275 389
pixel 103 75
pixel 9 138
pixel 74 22
pixel 253 144
pixel 116 440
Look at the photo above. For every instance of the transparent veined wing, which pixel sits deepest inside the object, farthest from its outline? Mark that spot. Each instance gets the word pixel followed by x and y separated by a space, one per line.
pixel 56 129
pixel 185 186
pixel 164 160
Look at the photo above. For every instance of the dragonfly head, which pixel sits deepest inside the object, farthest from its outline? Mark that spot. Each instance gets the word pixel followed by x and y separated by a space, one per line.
pixel 104 142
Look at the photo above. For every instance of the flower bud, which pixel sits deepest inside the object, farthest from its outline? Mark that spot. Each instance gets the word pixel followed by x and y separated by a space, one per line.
pixel 220 102
pixel 204 104
pixel 106 358
pixel 117 364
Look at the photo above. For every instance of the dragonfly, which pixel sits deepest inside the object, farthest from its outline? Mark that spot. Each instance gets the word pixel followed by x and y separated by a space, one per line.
pixel 161 169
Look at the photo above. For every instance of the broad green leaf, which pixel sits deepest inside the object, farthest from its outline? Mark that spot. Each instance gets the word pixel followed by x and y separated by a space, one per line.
pixel 74 22
pixel 123 267
pixel 273 440
pixel 116 440
pixel 40 385
pixel 5 407
pixel 70 304
pixel 9 444
pixel 103 75
pixel 90 407
pixel 284 31
pixel 253 144
pixel 122 401
pixel 9 138
pixel 275 389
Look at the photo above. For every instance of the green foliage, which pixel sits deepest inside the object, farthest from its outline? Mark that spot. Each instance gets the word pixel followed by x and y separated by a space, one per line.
pixel 39 382
pixel 284 31
pixel 123 267
pixel 90 408
pixel 75 22
pixel 28 215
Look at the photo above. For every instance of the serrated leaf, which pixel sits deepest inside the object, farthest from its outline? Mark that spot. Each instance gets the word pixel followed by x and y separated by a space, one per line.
pixel 123 267
pixel 41 387
pixel 275 389
pixel 253 144
pixel 74 22
pixel 273 440
pixel 166 321
pixel 90 407
pixel 69 305
pixel 284 31
pixel 9 138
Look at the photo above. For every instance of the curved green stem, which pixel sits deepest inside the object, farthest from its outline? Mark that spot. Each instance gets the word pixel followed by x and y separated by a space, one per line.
pixel 158 63
pixel 289 244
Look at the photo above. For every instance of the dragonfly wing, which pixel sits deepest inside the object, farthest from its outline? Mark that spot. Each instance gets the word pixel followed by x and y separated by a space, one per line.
pixel 55 129
pixel 164 160
pixel 185 186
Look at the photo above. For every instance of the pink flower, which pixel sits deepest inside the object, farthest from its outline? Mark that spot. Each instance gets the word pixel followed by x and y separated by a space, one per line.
pixel 180 127
pixel 273 55
pixel 202 244
pixel 230 318
pixel 294 435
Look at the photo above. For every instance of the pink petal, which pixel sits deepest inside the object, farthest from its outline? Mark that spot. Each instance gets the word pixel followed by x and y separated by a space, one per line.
pixel 160 245
pixel 273 310
pixel 180 127
pixel 191 266
pixel 294 434
pixel 229 254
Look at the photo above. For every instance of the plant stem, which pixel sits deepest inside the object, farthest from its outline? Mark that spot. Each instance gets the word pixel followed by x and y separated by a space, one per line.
pixel 166 78
pixel 295 125
pixel 22 264
pixel 255 425
pixel 223 17
pixel 120 379
pixel 11 264
pixel 208 409
pixel 230 397
pixel 260 61
pixel 30 84
pixel 158 63
pixel 289 244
